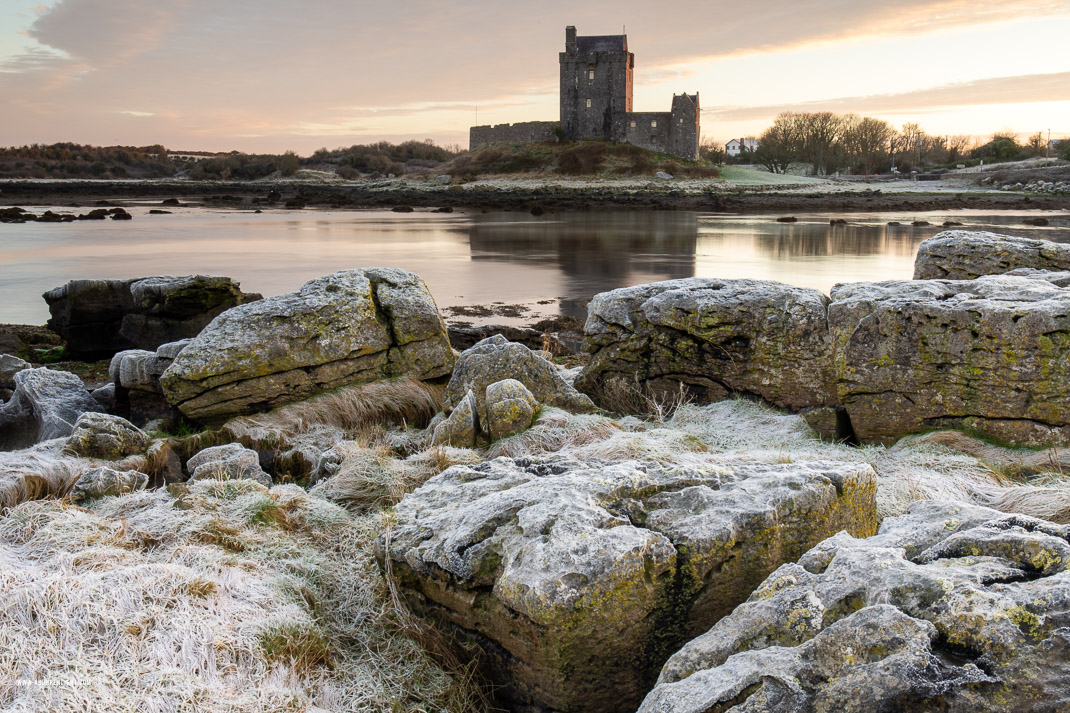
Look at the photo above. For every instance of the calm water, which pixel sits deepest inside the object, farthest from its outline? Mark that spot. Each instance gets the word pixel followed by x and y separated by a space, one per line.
pixel 476 258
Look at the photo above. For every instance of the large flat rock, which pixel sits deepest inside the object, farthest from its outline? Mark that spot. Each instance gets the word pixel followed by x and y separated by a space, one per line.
pixel 578 579
pixel 964 255
pixel 990 354
pixel 349 327
pixel 950 608
pixel 717 338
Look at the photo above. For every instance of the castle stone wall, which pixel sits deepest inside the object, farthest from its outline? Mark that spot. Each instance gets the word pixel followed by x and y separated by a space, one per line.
pixel 519 133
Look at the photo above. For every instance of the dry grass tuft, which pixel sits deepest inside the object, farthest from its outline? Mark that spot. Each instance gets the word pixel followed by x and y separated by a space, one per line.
pixel 379 404
pixel 371 477
pixel 36 473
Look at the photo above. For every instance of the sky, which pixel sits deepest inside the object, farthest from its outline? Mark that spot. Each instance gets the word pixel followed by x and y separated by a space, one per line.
pixel 276 75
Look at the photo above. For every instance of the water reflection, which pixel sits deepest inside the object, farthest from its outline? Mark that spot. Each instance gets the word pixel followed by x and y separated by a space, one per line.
pixel 477 258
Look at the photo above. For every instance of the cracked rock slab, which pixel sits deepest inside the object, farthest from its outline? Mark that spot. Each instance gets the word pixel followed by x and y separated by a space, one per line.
pixel 964 255
pixel 950 608
pixel 989 354
pixel 350 327
pixel 717 338
pixel 578 579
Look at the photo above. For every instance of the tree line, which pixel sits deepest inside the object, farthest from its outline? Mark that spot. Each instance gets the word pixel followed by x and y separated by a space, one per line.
pixel 830 143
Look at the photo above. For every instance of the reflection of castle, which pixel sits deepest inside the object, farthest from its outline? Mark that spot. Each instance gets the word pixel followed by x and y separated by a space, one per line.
pixel 596 103
pixel 596 251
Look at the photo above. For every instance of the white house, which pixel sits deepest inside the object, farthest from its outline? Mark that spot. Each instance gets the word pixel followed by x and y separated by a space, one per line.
pixel 737 146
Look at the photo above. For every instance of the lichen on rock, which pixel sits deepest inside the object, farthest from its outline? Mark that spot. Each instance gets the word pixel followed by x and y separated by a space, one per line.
pixel 578 579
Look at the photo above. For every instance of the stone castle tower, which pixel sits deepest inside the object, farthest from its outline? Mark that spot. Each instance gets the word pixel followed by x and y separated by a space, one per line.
pixel 596 104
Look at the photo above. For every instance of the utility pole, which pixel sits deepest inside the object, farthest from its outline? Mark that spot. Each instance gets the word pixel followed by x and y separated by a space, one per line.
pixel 1047 149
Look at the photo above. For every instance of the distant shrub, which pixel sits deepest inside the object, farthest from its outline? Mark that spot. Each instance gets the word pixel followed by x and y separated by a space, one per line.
pixel 348 172
pixel 582 159
pixel 288 164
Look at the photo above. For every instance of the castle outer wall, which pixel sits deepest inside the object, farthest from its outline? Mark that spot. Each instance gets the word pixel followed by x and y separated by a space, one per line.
pixel 526 132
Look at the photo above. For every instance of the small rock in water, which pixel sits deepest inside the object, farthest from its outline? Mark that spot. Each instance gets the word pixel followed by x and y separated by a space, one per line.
pixel 788 219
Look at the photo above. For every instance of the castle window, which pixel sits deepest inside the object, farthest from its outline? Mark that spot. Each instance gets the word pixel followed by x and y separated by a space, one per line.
pixel 590 74
pixel 654 124
pixel 633 124
pixel 588 103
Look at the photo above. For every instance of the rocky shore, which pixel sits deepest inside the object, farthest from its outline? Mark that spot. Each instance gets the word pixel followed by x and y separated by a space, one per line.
pixel 745 497
pixel 528 195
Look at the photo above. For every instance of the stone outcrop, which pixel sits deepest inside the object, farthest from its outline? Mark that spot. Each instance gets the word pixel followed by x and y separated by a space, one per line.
pixel 45 405
pixel 717 338
pixel 98 482
pixel 496 358
pixel 349 327
pixel 98 318
pixel 989 354
pixel 101 435
pixel 227 462
pixel 578 579
pixel 964 255
pixel 136 374
pixel 950 608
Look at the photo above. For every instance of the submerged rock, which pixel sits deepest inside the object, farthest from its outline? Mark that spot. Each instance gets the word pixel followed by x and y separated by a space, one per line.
pixel 964 255
pixel 950 608
pixel 98 318
pixel 45 405
pixel 228 462
pixel 989 354
pixel 578 579
pixel 713 339
pixel 101 435
pixel 350 327
pixel 102 481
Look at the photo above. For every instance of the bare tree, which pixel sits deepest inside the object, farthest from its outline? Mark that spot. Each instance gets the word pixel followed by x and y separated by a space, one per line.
pixel 1037 144
pixel 958 146
pixel 779 145
pixel 866 141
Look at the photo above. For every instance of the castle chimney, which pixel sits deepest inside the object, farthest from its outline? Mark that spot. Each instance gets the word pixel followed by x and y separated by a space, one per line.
pixel 570 39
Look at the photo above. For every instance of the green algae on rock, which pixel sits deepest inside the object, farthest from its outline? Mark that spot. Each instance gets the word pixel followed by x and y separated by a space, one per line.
pixel 578 579
pixel 990 355
pixel 713 338
pixel 349 327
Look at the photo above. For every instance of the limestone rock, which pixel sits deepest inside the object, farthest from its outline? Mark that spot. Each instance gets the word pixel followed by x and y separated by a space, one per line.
pixel 101 435
pixel 949 608
pixel 102 481
pixel 494 359
pixel 101 317
pixel 989 354
pixel 510 408
pixel 578 579
pixel 715 337
pixel 136 374
pixel 227 462
pixel 9 366
pixel 461 428
pixel 964 255
pixel 44 405
pixel 105 396
pixel 350 327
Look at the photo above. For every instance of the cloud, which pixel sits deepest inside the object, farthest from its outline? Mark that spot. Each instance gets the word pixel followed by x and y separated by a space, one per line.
pixel 233 68
pixel 996 90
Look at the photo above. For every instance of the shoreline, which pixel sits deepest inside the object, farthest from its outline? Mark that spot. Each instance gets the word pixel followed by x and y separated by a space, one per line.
pixel 688 195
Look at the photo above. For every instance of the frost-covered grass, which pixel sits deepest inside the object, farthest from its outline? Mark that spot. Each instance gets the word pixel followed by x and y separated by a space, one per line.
pixel 228 598
pixel 741 430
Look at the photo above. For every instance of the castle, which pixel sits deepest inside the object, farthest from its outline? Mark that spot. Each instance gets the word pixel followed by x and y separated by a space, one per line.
pixel 596 103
